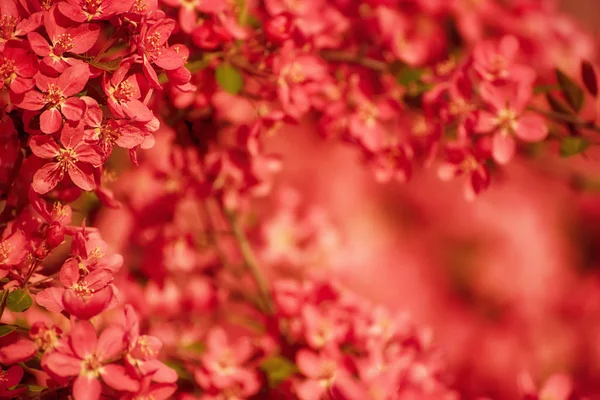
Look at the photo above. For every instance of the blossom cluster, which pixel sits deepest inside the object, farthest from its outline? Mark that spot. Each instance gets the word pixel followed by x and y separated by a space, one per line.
pixel 150 281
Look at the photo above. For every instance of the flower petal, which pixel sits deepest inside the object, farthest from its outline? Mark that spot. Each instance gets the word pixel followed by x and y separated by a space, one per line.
pixel 117 378
pixel 73 108
pixel 86 388
pixel 63 365
pixel 46 178
pixel 44 146
pixel 51 121
pixel 82 175
pixel 531 128
pixel 503 147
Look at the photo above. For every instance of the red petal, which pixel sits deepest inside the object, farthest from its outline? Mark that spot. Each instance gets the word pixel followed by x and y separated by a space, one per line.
pixel 86 388
pixel 73 109
pixel 73 79
pixel 117 378
pixel 18 350
pixel 63 365
pixel 69 273
pixel 38 44
pixel 51 121
pixel 89 154
pixel 13 375
pixel 47 177
pixel 85 36
pixel 44 146
pixel 51 299
pixel 83 338
pixel 71 135
pixel 503 147
pixel 531 128
pixel 137 110
pixel 169 59
pixel 110 343
pixel 82 176
pixel 86 309
pixel 21 85
pixel 31 100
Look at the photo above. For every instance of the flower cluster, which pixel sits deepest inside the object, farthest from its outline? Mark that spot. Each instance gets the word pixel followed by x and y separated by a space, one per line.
pixel 95 252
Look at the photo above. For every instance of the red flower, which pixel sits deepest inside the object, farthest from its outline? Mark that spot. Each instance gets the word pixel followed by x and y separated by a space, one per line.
pixel 223 365
pixel 508 118
pixel 10 378
pixel 461 161
pixel 17 67
pixel 14 348
pixel 75 40
pixel 75 157
pixel 13 250
pixel 56 97
pixel 88 10
pixel 14 22
pixel 152 47
pixel 124 94
pixel 82 297
pixel 88 358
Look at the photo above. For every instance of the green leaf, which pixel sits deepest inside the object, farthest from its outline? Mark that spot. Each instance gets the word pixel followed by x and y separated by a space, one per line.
pixel 229 78
pixel 35 388
pixel 278 369
pixel 543 89
pixel 407 75
pixel 588 74
pixel 6 329
pixel 18 301
pixel 571 90
pixel 573 145
pixel 557 105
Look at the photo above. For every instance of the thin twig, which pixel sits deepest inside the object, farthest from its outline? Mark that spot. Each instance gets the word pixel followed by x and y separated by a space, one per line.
pixel 571 119
pixel 250 261
pixel 340 56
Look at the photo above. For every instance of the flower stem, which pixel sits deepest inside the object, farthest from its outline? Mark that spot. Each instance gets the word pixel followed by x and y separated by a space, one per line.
pixel 250 261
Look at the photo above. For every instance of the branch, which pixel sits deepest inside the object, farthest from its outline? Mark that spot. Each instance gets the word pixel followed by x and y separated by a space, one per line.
pixel 567 118
pixel 343 57
pixel 250 261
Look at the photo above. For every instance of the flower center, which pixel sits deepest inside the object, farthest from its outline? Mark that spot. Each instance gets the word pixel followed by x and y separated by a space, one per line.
pixel 5 249
pixel 54 96
pixel 7 27
pixel 469 164
pixel 507 119
pixel 7 69
pixel 91 366
pixel 66 158
pixel 124 92
pixel 92 8
pixel 153 42
pixel 63 44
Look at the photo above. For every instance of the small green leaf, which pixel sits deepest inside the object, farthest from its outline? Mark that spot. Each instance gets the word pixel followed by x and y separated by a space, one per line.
pixel 588 74
pixel 35 388
pixel 573 145
pixel 543 89
pixel 229 78
pixel 6 329
pixel 278 369
pixel 18 301
pixel 408 75
pixel 557 105
pixel 571 90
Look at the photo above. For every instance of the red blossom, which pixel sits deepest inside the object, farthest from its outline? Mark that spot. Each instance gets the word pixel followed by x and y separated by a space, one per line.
pixel 56 96
pixel 87 357
pixel 75 157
